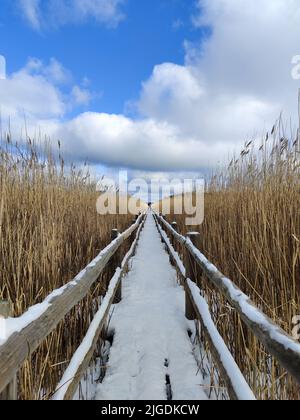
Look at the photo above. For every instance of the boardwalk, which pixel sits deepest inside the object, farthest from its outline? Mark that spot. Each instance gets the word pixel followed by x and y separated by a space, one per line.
pixel 151 346
pixel 152 356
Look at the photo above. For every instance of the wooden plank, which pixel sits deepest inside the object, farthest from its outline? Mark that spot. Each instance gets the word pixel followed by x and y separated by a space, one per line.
pixel 21 345
pixel 278 343
pixel 10 393
pixel 72 376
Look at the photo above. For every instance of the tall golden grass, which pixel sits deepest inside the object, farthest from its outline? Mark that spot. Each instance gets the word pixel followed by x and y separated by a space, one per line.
pixel 49 231
pixel 252 233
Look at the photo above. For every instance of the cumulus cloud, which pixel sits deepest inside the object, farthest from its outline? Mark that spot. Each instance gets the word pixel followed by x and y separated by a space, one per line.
pixel 35 92
pixel 238 80
pixel 27 91
pixel 251 49
pixel 186 99
pixel 147 144
pixel 41 14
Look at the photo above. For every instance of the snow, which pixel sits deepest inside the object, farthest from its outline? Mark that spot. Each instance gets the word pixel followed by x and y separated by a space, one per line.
pixel 10 326
pixel 86 389
pixel 239 383
pixel 151 339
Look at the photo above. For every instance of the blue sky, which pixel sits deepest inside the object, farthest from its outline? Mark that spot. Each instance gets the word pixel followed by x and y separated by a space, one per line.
pixel 158 86
pixel 115 60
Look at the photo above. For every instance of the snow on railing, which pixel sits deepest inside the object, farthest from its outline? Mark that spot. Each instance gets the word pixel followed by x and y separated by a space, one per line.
pixel 278 343
pixel 236 383
pixel 24 335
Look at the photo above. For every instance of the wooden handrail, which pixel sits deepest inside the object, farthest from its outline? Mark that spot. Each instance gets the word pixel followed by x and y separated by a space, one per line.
pixel 39 321
pixel 279 344
pixel 236 384
pixel 82 357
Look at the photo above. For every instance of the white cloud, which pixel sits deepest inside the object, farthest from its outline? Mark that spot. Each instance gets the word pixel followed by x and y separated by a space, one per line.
pixel 31 12
pixel 57 73
pixel 54 71
pixel 81 96
pixel 251 48
pixel 148 144
pixel 181 96
pixel 30 93
pixel 116 140
pixel 34 92
pixel 53 13
pixel 236 83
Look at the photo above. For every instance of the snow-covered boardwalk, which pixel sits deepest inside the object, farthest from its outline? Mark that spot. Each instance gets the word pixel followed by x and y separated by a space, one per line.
pixel 152 356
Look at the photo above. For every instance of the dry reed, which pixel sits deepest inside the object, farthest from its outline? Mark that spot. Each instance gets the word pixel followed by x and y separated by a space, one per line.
pixel 49 231
pixel 252 233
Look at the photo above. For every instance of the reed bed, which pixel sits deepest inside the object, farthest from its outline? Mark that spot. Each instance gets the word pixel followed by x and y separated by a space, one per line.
pixel 49 231
pixel 251 233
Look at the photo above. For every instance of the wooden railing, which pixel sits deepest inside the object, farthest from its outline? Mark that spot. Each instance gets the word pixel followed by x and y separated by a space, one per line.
pixel 36 324
pixel 276 341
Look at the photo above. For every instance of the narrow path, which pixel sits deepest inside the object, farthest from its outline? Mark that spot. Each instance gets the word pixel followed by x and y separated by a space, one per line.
pixel 152 356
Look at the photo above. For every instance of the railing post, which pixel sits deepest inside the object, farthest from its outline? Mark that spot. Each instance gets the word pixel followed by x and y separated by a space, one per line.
pixel 160 223
pixel 193 270
pixel 135 218
pixel 115 260
pixel 175 227
pixel 191 273
pixel 11 392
